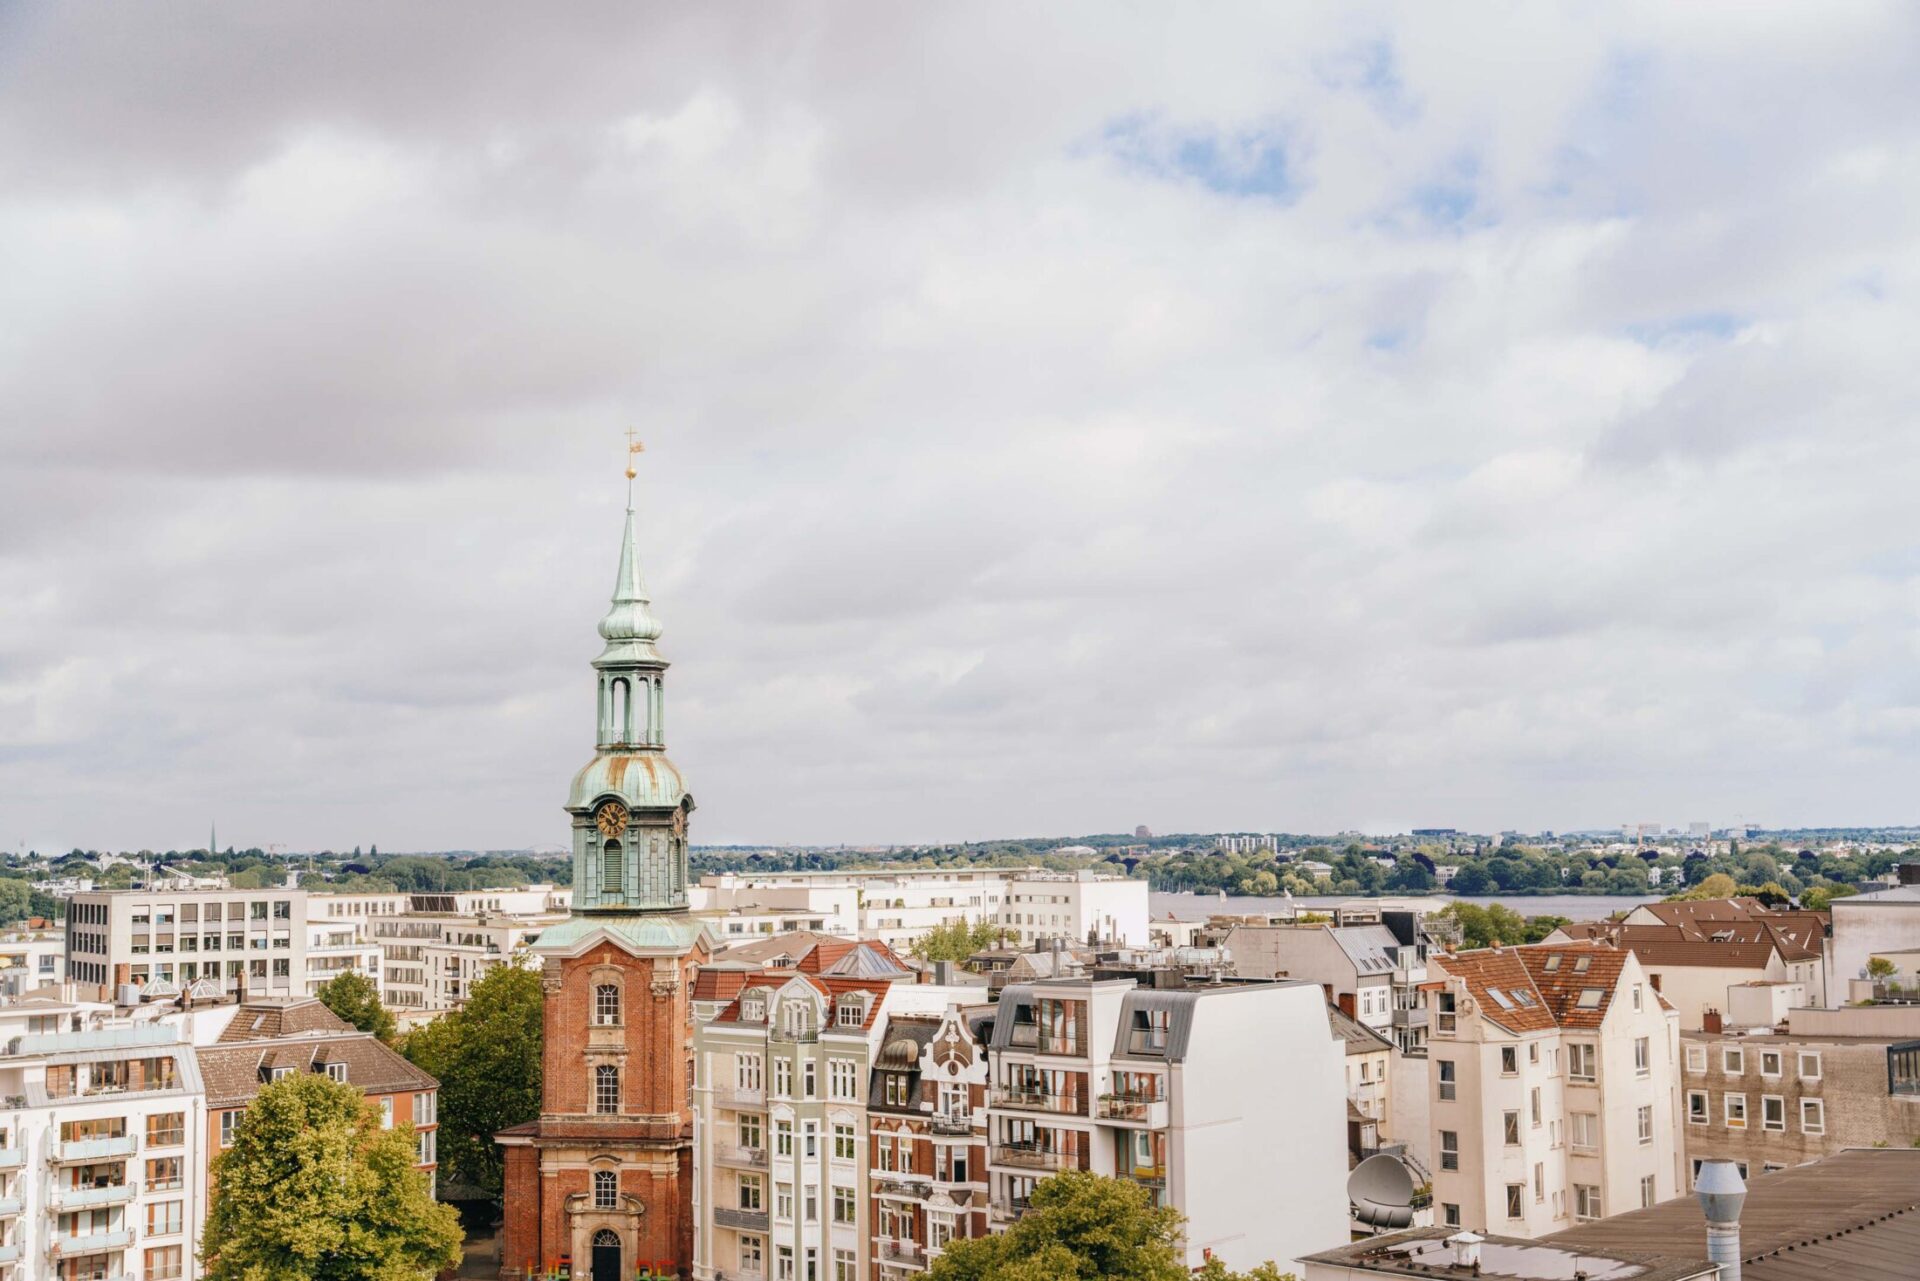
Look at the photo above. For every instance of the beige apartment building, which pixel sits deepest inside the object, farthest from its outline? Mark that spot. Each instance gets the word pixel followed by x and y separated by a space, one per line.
pixel 1767 1093
pixel 248 941
pixel 1555 1088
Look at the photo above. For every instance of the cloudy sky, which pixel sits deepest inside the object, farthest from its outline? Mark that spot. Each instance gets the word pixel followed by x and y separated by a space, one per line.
pixel 1058 417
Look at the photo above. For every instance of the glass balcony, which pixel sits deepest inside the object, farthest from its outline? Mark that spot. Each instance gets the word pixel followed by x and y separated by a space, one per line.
pixel 91 1243
pixel 80 1151
pixel 739 1157
pixel 12 1158
pixel 88 1198
pixel 1019 1100
pixel 1133 1109
pixel 1028 1156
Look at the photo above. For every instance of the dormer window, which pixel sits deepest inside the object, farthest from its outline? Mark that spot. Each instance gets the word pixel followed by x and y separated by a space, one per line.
pixel 852 1012
pixel 797 1018
pixel 280 1073
pixel 753 1008
pixel 336 1072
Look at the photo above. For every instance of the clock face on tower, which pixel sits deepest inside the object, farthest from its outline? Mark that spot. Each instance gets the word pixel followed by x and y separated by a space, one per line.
pixel 612 820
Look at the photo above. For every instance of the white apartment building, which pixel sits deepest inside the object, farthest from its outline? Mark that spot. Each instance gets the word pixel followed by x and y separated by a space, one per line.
pixel 102 1173
pixel 1075 905
pixel 1866 926
pixel 1555 1079
pixel 898 905
pixel 427 950
pixel 254 941
pixel 30 958
pixel 1227 1100
pixel 780 1126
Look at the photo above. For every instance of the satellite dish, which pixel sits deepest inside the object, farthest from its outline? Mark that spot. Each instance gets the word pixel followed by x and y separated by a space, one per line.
pixel 1381 1190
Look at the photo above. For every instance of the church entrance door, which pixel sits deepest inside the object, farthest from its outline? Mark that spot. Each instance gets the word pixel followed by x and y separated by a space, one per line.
pixel 606 1255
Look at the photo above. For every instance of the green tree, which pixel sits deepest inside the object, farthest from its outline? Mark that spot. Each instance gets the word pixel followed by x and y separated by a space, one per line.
pixel 1084 1227
pixel 16 900
pixel 487 1056
pixel 1820 897
pixel 955 940
pixel 314 1189
pixel 1718 885
pixel 1879 967
pixel 354 998
pixel 1485 926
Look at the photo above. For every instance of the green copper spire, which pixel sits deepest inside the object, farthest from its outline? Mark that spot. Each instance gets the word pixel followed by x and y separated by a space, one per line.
pixel 630 805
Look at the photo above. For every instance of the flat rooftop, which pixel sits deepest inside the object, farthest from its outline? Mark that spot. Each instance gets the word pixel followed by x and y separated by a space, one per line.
pixel 1424 1252
pixel 1855 1214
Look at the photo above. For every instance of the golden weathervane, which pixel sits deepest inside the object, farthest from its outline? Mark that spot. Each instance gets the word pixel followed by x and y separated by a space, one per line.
pixel 633 447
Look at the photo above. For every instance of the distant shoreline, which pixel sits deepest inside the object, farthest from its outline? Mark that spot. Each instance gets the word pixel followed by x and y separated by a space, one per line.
pixel 1187 905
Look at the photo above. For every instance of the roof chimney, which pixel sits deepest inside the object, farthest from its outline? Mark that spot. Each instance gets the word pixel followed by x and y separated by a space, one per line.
pixel 1722 1192
pixel 1710 1020
pixel 1466 1250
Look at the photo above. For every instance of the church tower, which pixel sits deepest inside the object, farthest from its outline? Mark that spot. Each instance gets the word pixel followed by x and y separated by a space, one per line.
pixel 601 1185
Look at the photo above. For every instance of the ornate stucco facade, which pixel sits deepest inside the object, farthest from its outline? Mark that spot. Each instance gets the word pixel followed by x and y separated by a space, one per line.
pixel 600 1185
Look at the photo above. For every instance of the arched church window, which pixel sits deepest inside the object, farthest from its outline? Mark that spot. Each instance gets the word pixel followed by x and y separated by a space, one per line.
pixel 606 1196
pixel 612 869
pixel 606 1090
pixel 606 1005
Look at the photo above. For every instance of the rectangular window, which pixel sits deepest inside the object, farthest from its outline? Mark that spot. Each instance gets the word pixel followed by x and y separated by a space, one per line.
pixel 1448 1086
pixel 1580 1062
pixel 783 1138
pixel 783 1201
pixel 1539 1183
pixel 426 1146
pixel 1809 1065
pixel 843 1205
pixel 1586 1201
pixel 750 1192
pixel 843 1143
pixel 1696 1058
pixel 1533 1106
pixel 1516 1196
pixel 164 1218
pixel 1773 1113
pixel 1733 1061
pixel 1643 1121
pixel 423 1108
pixel 1813 1116
pixel 783 1078
pixel 1586 1130
pixel 163 1263
pixel 1509 1060
pixel 842 1078
pixel 845 1266
pixel 1697 1107
pixel 229 1122
pixel 1646 1192
pixel 1642 1056
pixel 812 1203
pixel 1769 1063
pixel 1510 1128
pixel 1450 1214
pixel 1449 1149
pixel 166 1129
pixel 809 1085
pixel 163 1174
pixel 810 1135
pixel 1736 1111
pixel 746 1069
pixel 783 1262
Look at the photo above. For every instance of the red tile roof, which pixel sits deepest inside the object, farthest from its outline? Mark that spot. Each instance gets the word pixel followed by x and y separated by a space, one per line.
pixel 1536 987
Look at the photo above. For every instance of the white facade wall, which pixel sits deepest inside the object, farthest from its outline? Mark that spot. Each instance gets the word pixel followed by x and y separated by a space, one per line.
pixel 1865 926
pixel 259 938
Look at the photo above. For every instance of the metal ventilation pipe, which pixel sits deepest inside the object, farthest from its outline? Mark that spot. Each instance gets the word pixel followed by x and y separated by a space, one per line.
pixel 1722 1193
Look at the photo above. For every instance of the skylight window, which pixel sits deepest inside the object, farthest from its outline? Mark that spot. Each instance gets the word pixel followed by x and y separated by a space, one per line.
pixel 1580 964
pixel 1500 998
pixel 1590 997
pixel 1553 963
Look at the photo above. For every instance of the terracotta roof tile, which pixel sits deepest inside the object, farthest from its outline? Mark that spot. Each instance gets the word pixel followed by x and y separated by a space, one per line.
pixel 1539 986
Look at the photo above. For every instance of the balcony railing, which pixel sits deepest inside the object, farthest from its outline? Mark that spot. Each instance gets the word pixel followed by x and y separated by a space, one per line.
pixel 951 1123
pixel 1152 1175
pixel 1010 1207
pixel 908 1253
pixel 82 1150
pixel 739 1096
pixel 744 1220
pixel 1037 1101
pixel 1138 1109
pixel 87 1198
pixel 902 1188
pixel 794 1036
pixel 12 1158
pixel 91 1243
pixel 747 1158
pixel 1029 1156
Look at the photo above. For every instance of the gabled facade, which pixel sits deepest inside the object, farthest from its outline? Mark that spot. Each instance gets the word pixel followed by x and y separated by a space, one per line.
pixel 1555 1088
pixel 927 1138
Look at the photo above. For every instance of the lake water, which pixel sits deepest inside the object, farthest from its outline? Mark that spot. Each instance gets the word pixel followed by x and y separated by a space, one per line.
pixel 1575 907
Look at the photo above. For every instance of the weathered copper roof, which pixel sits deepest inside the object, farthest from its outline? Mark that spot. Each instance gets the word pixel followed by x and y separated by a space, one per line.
pixel 642 778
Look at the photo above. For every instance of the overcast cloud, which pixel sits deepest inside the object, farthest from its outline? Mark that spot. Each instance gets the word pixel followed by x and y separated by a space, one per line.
pixel 1059 417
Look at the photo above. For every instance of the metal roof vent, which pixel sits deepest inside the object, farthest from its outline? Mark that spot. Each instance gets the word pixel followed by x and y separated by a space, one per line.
pixel 1722 1193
